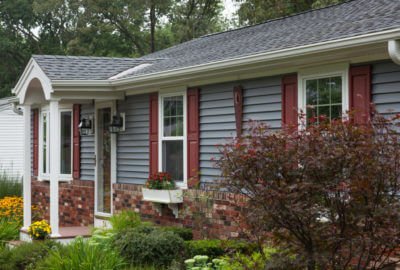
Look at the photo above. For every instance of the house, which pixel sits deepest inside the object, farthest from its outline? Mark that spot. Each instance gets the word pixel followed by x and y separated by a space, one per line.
pixel 11 139
pixel 177 104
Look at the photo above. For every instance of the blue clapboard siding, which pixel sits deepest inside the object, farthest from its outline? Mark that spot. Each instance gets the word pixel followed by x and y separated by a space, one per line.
pixel 262 102
pixel 133 144
pixel 386 87
pixel 87 147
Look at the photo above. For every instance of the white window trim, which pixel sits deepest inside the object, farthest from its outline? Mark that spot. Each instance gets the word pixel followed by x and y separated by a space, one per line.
pixel 113 106
pixel 67 177
pixel 161 138
pixel 341 70
pixel 44 176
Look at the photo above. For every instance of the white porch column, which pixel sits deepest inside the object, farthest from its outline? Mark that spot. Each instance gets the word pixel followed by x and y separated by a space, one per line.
pixel 54 166
pixel 27 167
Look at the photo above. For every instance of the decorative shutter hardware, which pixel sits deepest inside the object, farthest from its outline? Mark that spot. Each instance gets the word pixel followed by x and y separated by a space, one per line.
pixel 238 103
pixel 76 142
pixel 289 100
pixel 193 132
pixel 153 133
pixel 35 165
pixel 360 93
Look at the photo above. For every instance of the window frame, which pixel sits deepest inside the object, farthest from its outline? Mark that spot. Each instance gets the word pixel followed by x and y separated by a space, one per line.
pixel 67 177
pixel 162 138
pixel 46 110
pixel 339 70
pixel 43 175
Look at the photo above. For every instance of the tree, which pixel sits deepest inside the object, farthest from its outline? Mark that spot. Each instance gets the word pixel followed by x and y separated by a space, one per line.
pixel 257 11
pixel 193 18
pixel 329 193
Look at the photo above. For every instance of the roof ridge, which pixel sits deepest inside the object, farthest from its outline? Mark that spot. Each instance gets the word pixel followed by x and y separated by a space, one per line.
pixel 277 19
pixel 82 56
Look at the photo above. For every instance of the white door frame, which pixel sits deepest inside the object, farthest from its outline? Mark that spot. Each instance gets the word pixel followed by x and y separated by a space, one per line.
pixel 102 105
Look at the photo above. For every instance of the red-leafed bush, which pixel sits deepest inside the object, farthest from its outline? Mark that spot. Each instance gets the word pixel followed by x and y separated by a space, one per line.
pixel 329 192
pixel 160 180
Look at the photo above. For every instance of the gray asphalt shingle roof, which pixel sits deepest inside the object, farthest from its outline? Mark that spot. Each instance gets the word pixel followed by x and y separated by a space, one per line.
pixel 352 18
pixel 59 67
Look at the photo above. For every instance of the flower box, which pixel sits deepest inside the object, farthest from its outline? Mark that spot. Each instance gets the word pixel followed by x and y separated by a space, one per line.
pixel 162 195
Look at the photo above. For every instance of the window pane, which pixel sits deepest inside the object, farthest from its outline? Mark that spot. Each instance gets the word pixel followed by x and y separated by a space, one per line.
pixel 44 142
pixel 336 112
pixel 336 90
pixel 311 86
pixel 323 91
pixel 66 143
pixel 172 159
pixel 173 116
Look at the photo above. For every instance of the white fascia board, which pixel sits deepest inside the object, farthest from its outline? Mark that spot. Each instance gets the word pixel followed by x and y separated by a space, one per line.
pixel 171 75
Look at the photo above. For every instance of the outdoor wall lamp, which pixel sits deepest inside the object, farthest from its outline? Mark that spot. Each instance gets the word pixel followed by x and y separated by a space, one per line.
pixel 86 126
pixel 118 123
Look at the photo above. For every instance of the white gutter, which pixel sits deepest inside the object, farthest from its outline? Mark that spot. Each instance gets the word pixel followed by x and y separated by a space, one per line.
pixel 394 50
pixel 321 47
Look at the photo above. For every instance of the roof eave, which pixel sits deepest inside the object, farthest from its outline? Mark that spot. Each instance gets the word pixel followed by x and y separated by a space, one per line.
pixel 167 76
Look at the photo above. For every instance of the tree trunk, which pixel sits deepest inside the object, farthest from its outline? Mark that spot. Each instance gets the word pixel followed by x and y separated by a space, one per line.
pixel 153 21
pixel 311 262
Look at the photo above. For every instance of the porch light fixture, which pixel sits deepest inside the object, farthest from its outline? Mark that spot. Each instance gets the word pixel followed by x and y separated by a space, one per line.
pixel 86 126
pixel 118 123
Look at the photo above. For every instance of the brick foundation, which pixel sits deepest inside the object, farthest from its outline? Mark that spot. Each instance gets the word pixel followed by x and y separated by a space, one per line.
pixel 211 214
pixel 76 201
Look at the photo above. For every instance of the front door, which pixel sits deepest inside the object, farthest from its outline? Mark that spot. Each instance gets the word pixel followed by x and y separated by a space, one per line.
pixel 103 184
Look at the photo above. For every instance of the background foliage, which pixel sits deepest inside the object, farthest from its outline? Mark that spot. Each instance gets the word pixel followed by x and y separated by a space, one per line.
pixel 128 28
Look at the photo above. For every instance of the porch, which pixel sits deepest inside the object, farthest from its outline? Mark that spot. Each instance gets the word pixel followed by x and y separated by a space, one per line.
pixel 65 234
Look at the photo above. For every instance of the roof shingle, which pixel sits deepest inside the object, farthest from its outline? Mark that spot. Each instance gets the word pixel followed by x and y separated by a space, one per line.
pixel 352 18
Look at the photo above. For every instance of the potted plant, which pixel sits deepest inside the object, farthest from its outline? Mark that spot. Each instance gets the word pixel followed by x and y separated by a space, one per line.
pixel 39 230
pixel 160 188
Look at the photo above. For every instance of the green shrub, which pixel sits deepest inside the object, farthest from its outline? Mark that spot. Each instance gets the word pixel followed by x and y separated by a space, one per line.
pixel 148 246
pixel 124 220
pixel 82 255
pixel 10 186
pixel 8 230
pixel 202 262
pixel 255 261
pixel 25 256
pixel 184 233
pixel 215 248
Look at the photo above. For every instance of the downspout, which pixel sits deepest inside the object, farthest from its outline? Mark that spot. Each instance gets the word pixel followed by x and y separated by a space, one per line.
pixel 394 50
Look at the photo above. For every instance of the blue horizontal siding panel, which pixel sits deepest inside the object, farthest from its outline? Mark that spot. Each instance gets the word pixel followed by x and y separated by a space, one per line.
pixel 87 147
pixel 133 144
pixel 386 87
pixel 262 102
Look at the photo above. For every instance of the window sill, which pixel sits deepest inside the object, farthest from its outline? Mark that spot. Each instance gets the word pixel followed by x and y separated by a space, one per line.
pixel 61 179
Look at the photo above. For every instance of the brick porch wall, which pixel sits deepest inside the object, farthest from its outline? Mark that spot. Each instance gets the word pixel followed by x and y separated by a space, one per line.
pixel 76 201
pixel 211 214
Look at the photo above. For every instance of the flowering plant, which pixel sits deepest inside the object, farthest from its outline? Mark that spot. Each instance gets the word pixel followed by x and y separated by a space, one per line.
pixel 161 180
pixel 11 208
pixel 39 230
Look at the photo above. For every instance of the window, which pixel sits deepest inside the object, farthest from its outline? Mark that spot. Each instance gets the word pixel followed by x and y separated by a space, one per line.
pixel 324 97
pixel 65 118
pixel 324 91
pixel 172 139
pixel 66 142
pixel 44 160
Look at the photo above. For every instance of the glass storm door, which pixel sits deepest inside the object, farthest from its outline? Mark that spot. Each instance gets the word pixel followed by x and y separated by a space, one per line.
pixel 103 191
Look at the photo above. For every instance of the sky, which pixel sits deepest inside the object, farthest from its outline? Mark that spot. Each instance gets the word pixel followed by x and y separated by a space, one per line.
pixel 230 8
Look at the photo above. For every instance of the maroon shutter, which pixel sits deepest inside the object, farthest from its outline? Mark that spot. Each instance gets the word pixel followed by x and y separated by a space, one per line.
pixel 289 100
pixel 76 142
pixel 35 138
pixel 360 93
pixel 153 136
pixel 193 132
pixel 238 103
